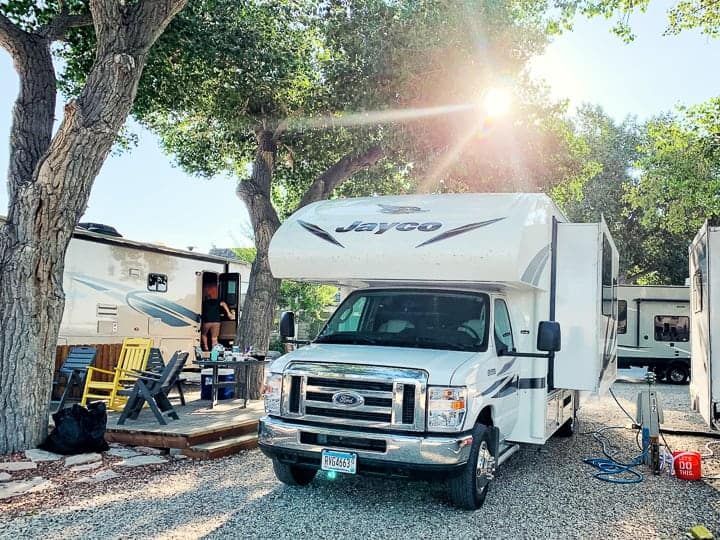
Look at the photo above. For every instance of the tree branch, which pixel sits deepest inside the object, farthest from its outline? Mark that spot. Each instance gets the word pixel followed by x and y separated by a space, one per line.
pixel 12 38
pixel 343 169
pixel 57 30
pixel 149 18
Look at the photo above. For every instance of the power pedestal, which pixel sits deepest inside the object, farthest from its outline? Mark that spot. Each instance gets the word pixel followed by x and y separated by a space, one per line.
pixel 649 417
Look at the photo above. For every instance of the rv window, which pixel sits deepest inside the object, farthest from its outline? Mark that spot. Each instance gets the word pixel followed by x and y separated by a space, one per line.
pixel 607 278
pixel 671 328
pixel 157 282
pixel 697 291
pixel 229 285
pixel 622 317
pixel 503 328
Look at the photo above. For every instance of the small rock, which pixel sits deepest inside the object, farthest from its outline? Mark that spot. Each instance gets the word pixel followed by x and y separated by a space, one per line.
pixel 18 465
pixel 122 452
pixel 148 450
pixel 11 489
pixel 180 456
pixel 87 467
pixel 4 477
pixel 141 460
pixel 82 458
pixel 36 455
pixel 107 474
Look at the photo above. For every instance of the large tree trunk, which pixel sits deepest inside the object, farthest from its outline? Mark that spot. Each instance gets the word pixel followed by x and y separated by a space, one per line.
pixel 49 185
pixel 263 289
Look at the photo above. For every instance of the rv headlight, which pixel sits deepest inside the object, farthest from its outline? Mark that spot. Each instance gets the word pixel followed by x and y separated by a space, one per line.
pixel 446 408
pixel 272 391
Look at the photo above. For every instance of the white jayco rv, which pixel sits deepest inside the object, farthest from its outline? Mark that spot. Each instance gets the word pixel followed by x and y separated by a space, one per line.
pixel 116 288
pixel 447 353
pixel 654 330
pixel 705 324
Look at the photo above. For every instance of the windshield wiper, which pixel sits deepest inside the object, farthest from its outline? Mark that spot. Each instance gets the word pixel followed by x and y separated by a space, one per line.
pixel 345 339
pixel 423 342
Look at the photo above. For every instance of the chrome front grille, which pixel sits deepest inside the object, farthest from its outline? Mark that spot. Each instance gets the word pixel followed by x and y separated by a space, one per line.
pixel 388 398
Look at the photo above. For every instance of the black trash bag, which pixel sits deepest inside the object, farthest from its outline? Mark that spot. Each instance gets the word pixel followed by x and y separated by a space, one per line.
pixel 78 430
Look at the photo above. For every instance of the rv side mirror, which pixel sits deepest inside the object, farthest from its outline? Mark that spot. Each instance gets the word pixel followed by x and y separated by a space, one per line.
pixel 548 338
pixel 287 325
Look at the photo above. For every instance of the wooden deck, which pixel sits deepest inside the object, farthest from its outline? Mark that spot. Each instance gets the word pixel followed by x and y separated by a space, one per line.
pixel 201 432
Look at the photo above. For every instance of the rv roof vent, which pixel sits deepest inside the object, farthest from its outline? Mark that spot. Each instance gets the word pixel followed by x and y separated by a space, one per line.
pixel 100 228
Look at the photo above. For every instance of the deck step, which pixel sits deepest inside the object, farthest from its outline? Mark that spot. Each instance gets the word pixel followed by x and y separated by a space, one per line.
pixel 223 433
pixel 225 447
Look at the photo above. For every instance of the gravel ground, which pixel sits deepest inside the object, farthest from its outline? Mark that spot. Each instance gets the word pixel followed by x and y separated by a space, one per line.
pixel 545 493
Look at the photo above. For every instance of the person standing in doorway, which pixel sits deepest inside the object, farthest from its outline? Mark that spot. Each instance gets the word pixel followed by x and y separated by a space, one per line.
pixel 211 306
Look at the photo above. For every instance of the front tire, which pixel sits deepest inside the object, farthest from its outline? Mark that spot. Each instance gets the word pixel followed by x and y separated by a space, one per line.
pixel 469 489
pixel 292 475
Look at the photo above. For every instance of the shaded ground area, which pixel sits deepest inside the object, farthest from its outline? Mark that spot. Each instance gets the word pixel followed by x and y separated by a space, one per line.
pixel 546 493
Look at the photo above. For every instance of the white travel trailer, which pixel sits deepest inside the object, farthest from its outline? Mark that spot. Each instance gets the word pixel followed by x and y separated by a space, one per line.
pixel 705 324
pixel 446 353
pixel 116 288
pixel 654 330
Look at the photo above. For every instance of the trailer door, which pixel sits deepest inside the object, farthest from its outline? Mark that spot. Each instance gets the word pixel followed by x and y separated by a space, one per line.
pixel 230 294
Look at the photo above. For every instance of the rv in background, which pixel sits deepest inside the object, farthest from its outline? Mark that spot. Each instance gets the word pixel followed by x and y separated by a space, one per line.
pixel 447 353
pixel 654 330
pixel 116 288
pixel 705 323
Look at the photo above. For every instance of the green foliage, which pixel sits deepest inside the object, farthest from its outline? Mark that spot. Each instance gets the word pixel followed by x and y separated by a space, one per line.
pixel 31 15
pixel 245 254
pixel 680 185
pixel 659 181
pixel 309 301
pixel 225 67
pixel 683 15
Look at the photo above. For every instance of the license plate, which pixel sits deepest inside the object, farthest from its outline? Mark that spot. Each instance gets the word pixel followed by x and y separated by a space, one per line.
pixel 339 462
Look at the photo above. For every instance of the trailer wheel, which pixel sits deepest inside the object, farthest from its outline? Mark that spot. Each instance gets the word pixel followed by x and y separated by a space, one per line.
pixel 568 428
pixel 469 488
pixel 293 475
pixel 677 373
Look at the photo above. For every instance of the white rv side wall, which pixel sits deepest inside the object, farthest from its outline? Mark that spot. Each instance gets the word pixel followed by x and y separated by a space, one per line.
pixel 107 298
pixel 704 258
pixel 588 358
pixel 675 304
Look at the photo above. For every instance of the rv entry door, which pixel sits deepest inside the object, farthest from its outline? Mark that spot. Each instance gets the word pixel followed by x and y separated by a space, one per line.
pixel 230 294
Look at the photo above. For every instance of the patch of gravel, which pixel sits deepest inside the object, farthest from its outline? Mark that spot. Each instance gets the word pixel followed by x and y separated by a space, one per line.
pixel 538 493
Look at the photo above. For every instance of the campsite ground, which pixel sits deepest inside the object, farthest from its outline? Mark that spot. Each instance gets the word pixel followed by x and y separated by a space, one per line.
pixel 547 492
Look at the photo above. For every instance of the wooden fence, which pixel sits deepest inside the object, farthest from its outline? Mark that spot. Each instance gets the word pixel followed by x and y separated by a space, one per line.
pixel 107 357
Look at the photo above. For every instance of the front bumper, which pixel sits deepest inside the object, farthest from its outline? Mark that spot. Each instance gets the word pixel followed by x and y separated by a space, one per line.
pixel 403 455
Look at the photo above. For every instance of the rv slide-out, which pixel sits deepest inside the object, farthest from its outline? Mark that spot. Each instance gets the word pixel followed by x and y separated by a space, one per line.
pixel 705 324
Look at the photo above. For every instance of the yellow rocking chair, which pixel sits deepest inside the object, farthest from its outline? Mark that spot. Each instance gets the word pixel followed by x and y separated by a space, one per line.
pixel 133 357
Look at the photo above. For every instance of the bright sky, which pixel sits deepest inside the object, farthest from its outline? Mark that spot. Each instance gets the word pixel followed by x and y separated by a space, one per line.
pixel 147 199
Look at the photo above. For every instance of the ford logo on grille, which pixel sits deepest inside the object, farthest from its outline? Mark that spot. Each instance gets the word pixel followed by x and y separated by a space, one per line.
pixel 348 399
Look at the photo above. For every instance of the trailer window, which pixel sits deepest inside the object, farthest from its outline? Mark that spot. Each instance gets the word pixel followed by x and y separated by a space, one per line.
pixel 697 291
pixel 622 317
pixel 157 282
pixel 671 328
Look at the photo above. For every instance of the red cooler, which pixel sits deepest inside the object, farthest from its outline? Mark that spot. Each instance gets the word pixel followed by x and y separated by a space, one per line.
pixel 687 465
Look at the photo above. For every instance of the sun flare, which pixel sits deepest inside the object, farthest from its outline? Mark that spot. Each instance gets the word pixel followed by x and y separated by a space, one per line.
pixel 497 102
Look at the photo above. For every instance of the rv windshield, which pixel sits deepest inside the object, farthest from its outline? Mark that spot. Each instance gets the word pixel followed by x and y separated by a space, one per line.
pixel 446 320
